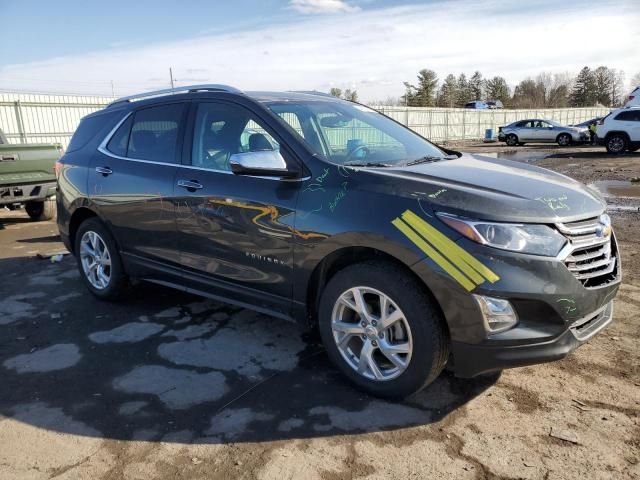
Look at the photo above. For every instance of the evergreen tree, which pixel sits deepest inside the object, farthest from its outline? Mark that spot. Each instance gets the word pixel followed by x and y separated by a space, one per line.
pixel 351 95
pixel 336 92
pixel 464 93
pixel 497 89
pixel 447 96
pixel 424 94
pixel 604 79
pixel 584 92
pixel 476 85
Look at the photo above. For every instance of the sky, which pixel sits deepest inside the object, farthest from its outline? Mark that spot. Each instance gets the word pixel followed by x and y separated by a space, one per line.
pixel 123 47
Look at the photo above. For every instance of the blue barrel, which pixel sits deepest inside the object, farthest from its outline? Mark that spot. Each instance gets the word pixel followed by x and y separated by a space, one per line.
pixel 488 135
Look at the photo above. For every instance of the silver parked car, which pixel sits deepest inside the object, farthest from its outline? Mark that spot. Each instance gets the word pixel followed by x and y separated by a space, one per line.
pixel 541 131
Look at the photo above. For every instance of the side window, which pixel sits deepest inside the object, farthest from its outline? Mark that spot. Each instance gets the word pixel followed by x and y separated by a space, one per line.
pixel 118 143
pixel 222 130
pixel 154 133
pixel 255 138
pixel 625 116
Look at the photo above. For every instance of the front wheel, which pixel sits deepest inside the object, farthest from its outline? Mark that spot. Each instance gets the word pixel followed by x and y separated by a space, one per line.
pixel 616 143
pixel 40 210
pixel 564 139
pixel 388 338
pixel 99 261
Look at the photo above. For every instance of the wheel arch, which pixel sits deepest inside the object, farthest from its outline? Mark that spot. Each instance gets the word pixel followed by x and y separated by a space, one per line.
pixel 77 218
pixel 341 258
pixel 617 132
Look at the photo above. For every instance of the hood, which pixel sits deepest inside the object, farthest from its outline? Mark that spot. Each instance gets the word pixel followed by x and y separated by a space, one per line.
pixel 489 189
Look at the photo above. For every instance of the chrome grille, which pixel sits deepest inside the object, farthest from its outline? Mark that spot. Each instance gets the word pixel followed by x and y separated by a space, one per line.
pixel 591 252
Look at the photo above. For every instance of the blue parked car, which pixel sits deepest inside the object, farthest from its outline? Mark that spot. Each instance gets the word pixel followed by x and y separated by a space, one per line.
pixel 476 104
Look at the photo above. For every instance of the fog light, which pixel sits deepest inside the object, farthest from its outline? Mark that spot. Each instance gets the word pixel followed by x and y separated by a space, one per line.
pixel 498 314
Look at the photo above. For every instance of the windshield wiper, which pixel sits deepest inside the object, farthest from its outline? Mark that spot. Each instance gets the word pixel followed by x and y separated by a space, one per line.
pixel 429 159
pixel 367 164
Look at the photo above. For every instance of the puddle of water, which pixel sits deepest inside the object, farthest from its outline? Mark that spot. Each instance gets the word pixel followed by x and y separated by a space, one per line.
pixel 617 188
pixel 517 155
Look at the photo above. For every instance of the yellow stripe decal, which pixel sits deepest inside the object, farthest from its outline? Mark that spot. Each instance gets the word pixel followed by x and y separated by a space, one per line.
pixel 434 255
pixel 451 257
pixel 449 248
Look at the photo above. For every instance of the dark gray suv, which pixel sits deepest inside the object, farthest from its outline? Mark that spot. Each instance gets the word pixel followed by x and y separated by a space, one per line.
pixel 405 255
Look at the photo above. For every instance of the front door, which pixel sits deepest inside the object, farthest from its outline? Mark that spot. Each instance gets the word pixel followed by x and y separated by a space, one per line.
pixel 131 182
pixel 235 231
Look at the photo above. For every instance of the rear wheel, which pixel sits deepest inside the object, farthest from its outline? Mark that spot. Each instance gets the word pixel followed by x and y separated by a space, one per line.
pixel 388 338
pixel 41 210
pixel 99 261
pixel 512 140
pixel 616 143
pixel 564 139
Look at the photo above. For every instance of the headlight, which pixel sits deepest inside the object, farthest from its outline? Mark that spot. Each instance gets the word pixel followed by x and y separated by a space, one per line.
pixel 524 238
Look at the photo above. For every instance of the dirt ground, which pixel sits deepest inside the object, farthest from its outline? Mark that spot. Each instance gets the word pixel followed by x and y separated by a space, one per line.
pixel 170 386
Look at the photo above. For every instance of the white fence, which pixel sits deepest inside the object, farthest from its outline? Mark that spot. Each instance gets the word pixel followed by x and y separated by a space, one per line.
pixel 38 118
pixel 445 124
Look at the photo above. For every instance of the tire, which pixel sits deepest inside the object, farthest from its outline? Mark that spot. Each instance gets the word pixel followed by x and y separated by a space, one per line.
pixel 41 210
pixel 511 140
pixel 420 330
pixel 616 143
pixel 564 140
pixel 98 239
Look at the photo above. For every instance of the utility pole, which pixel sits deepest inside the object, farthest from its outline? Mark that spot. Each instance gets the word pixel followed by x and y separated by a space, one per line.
pixel 171 76
pixel 113 94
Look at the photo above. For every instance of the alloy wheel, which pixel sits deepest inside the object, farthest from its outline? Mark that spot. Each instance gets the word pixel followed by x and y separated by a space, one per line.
pixel 371 333
pixel 96 260
pixel 616 144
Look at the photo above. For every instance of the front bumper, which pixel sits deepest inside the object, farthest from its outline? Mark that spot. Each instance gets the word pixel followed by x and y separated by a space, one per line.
pixel 500 353
pixel 25 193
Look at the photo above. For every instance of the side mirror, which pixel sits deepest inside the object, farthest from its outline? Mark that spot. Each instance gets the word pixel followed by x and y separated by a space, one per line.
pixel 262 163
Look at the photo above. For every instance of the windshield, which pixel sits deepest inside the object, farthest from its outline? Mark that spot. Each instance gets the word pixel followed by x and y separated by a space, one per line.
pixel 352 134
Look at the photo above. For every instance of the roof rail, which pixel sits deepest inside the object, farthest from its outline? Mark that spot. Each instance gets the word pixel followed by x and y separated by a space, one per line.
pixel 313 92
pixel 171 91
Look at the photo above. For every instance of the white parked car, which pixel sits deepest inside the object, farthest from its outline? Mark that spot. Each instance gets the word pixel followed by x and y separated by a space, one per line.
pixel 620 130
pixel 633 99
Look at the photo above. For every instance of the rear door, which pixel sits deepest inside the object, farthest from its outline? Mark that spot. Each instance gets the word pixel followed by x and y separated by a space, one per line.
pixel 235 231
pixel 525 131
pixel 634 128
pixel 629 121
pixel 131 181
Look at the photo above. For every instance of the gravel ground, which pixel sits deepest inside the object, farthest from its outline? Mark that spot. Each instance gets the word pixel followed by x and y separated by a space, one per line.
pixel 170 386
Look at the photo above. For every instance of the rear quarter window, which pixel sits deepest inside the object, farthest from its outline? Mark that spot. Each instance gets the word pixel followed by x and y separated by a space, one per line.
pixel 88 129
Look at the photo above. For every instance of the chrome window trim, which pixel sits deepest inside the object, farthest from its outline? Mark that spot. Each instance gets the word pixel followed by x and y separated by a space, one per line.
pixel 102 148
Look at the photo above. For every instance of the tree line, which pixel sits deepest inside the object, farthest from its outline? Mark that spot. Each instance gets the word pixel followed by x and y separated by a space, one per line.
pixel 602 85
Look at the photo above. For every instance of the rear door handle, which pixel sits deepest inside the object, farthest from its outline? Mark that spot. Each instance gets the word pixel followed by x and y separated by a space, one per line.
pixel 191 185
pixel 104 171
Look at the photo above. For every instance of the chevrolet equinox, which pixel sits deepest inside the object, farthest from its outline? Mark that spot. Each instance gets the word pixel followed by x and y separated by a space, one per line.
pixel 406 256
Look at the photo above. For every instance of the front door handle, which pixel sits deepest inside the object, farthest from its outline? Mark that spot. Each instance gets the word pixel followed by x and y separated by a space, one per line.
pixel 191 185
pixel 104 171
